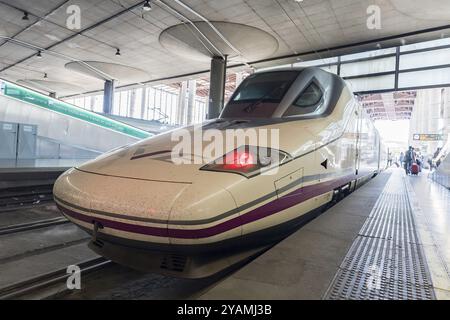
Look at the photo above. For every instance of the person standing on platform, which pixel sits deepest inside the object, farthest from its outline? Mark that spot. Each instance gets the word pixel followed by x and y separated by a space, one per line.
pixel 409 159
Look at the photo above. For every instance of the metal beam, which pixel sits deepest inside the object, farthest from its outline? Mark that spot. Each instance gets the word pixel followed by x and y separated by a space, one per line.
pixel 39 19
pixel 95 25
pixel 397 67
pixel 194 26
pixel 444 85
pixel 228 43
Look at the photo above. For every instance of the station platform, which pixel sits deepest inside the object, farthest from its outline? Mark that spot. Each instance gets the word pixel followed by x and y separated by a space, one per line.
pixel 390 239
pixel 38 164
pixel 20 173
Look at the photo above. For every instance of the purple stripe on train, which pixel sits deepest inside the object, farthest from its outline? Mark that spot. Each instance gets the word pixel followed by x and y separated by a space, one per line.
pixel 291 199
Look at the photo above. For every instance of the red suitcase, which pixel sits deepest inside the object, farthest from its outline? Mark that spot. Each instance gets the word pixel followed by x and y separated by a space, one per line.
pixel 415 168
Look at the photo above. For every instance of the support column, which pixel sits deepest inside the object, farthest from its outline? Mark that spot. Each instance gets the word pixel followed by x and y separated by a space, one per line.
pixel 108 96
pixel 131 107
pixel 143 102
pixel 182 103
pixel 338 66
pixel 217 87
pixel 192 88
pixel 91 103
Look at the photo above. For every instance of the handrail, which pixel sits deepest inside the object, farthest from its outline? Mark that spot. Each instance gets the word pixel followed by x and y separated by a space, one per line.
pixel 36 98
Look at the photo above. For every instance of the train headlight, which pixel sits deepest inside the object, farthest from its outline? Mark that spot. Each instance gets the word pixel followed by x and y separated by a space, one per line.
pixel 248 161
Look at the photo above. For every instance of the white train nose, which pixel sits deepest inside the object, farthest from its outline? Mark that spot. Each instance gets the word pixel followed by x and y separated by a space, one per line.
pixel 145 210
pixel 124 207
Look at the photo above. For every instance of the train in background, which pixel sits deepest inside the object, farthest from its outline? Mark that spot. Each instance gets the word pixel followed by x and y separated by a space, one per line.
pixel 192 220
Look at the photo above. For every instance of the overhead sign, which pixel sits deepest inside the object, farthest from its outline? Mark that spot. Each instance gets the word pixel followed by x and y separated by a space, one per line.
pixel 428 137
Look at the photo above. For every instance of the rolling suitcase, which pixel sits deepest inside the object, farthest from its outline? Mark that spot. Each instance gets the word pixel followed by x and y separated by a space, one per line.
pixel 415 169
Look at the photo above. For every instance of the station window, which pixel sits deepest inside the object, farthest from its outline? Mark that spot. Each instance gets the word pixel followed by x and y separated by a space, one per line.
pixel 307 102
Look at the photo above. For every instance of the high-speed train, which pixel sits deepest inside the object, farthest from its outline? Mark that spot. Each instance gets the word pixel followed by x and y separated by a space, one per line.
pixel 192 219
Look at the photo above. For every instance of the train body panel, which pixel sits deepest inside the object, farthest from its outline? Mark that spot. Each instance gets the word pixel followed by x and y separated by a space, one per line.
pixel 138 197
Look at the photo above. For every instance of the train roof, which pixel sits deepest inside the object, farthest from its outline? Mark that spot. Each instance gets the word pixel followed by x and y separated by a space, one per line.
pixel 299 69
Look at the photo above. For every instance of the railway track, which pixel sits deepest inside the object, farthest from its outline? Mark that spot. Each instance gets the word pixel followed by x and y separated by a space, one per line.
pixel 36 241
pixel 102 283
pixel 106 280
pixel 32 225
pixel 49 284
pixel 18 197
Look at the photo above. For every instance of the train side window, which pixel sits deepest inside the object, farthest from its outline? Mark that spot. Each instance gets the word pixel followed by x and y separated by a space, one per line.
pixel 307 101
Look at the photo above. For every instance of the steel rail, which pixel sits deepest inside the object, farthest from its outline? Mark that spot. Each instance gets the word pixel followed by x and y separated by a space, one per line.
pixel 33 286
pixel 33 225
pixel 18 197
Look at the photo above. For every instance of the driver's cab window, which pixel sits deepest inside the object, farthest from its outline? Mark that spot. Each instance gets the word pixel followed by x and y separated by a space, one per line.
pixel 307 102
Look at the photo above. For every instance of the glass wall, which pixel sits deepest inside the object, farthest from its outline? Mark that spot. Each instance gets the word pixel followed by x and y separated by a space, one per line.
pixel 158 103
pixel 414 66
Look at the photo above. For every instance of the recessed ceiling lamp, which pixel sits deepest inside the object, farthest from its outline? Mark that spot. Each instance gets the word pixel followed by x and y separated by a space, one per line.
pixel 117 52
pixel 147 6
pixel 39 54
pixel 25 16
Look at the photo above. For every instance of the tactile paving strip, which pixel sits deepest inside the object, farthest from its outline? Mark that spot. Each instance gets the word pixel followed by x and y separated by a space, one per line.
pixel 386 260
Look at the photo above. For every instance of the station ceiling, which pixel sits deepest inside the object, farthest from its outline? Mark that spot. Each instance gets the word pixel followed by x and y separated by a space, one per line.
pixel 152 47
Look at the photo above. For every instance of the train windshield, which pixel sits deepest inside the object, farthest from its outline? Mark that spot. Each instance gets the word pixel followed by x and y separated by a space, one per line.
pixel 258 96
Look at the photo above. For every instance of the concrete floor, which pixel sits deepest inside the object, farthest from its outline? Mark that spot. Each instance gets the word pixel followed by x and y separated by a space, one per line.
pixel 24 255
pixel 431 204
pixel 28 215
pixel 304 265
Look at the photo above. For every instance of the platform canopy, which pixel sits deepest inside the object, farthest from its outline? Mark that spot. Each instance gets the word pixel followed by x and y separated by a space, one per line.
pixel 118 39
